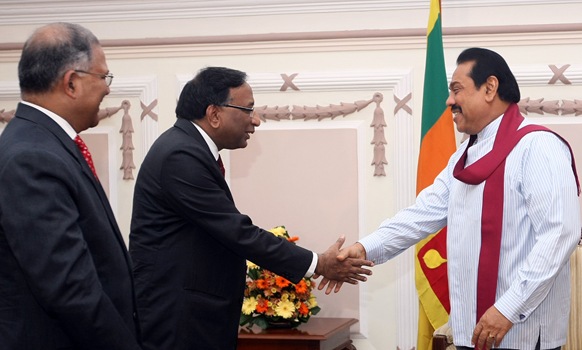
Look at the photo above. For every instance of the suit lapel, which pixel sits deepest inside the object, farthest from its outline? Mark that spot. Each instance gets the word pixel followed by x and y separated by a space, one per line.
pixel 34 115
pixel 192 131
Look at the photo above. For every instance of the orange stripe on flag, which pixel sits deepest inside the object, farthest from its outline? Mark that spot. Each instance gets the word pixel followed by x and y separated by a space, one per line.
pixel 435 150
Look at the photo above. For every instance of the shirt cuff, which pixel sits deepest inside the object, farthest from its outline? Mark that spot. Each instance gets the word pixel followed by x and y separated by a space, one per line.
pixel 374 248
pixel 312 267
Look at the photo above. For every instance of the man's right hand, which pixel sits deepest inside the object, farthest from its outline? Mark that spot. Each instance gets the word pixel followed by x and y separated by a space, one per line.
pixel 342 266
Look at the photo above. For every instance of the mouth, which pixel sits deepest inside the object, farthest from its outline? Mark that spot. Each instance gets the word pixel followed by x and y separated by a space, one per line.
pixel 456 110
pixel 456 113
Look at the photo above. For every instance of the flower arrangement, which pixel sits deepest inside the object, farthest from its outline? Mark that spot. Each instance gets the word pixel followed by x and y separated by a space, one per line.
pixel 271 299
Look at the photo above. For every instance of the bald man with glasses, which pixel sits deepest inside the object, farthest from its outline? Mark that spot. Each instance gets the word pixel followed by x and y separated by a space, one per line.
pixel 65 273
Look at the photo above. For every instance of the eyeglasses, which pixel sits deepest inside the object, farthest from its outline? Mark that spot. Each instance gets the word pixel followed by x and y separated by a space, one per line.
pixel 246 109
pixel 107 77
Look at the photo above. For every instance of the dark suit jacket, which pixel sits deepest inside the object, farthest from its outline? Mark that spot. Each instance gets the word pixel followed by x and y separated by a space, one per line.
pixel 189 245
pixel 65 274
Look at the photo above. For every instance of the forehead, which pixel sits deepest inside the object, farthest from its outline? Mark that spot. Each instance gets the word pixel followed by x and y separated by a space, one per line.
pixel 242 94
pixel 98 59
pixel 461 74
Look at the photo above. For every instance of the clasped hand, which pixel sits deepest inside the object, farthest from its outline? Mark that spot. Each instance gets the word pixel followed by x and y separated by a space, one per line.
pixel 338 268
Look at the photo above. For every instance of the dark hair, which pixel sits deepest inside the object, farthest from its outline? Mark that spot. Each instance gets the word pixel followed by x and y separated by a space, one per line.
pixel 489 63
pixel 51 51
pixel 211 86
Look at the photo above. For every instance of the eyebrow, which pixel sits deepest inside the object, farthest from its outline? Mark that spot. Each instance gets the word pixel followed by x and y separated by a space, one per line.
pixel 453 84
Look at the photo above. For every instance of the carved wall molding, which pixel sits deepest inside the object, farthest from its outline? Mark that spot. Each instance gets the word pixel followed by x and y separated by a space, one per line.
pixel 551 74
pixel 554 107
pixel 329 81
pixel 146 89
pixel 6 116
pixel 126 131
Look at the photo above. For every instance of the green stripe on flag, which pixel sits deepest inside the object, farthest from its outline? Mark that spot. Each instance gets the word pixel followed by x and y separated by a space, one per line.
pixel 435 80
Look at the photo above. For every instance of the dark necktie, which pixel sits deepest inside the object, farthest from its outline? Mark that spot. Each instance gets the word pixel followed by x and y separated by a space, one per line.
pixel 221 165
pixel 86 154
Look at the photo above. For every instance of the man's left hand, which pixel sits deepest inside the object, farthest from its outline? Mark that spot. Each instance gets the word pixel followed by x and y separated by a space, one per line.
pixel 490 329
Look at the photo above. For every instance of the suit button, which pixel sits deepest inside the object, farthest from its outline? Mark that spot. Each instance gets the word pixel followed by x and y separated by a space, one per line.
pixel 134 315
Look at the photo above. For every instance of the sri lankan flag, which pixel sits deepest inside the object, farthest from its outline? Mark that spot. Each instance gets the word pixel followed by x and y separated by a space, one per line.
pixel 436 146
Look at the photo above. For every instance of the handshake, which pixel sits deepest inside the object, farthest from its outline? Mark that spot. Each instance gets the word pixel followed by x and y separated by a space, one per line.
pixel 339 266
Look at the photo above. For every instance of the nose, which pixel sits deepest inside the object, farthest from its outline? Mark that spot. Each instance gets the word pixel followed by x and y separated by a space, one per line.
pixel 450 100
pixel 255 120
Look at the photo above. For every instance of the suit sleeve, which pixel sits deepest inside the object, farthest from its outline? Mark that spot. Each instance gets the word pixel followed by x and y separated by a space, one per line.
pixel 41 223
pixel 198 192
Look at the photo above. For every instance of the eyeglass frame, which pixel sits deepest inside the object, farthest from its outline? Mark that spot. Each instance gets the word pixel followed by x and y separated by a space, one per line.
pixel 251 110
pixel 108 77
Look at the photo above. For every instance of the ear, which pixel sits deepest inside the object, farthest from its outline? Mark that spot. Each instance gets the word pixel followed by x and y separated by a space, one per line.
pixel 491 86
pixel 213 116
pixel 69 83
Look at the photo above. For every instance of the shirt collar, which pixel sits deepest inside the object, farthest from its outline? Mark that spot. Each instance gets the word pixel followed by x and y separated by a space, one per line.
pixel 490 129
pixel 57 119
pixel 211 145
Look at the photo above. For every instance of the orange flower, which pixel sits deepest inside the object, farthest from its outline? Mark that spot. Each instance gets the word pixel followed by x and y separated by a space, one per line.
pixel 262 306
pixel 262 284
pixel 269 296
pixel 282 282
pixel 303 309
pixel 301 287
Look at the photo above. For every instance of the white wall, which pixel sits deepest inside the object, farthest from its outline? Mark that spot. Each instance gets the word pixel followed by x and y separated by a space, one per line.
pixel 342 52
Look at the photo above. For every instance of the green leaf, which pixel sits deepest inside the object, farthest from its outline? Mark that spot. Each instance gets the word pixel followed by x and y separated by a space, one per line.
pixel 261 322
pixel 244 319
pixel 315 310
pixel 254 274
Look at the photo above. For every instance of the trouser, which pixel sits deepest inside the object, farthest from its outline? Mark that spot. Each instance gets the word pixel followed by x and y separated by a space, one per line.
pixel 537 347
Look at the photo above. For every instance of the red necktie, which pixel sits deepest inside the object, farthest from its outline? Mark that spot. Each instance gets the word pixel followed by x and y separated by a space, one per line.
pixel 86 154
pixel 221 165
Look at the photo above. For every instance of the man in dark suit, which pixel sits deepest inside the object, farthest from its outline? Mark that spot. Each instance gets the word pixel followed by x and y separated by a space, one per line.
pixel 65 274
pixel 188 241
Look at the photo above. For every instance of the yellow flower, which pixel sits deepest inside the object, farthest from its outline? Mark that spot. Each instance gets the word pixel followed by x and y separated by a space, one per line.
pixel 252 265
pixel 249 305
pixel 312 302
pixel 278 231
pixel 268 296
pixel 285 309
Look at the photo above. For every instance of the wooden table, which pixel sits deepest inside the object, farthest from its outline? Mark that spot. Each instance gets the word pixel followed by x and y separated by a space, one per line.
pixel 318 334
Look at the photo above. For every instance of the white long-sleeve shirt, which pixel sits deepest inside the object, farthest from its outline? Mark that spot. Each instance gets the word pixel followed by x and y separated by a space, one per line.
pixel 541 227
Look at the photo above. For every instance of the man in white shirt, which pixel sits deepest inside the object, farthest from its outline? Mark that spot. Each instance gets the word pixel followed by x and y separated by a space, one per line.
pixel 512 214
